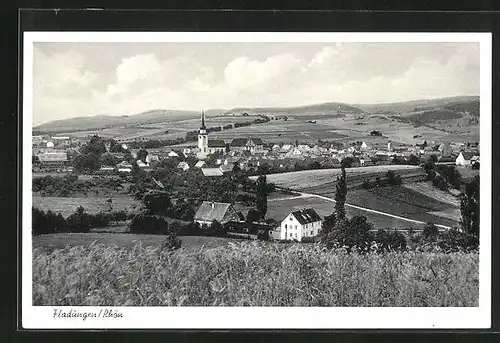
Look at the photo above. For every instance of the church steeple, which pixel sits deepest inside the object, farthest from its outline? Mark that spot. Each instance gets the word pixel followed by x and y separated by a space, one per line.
pixel 202 120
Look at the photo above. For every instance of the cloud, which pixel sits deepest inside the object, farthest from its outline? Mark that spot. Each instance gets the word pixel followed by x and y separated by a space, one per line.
pixel 68 85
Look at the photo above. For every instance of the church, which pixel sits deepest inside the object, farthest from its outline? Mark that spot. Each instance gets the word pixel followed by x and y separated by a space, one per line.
pixel 206 146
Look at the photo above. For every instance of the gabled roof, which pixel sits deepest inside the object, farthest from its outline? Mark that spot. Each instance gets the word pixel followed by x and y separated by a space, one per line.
pixel 467 155
pixel 239 142
pixel 210 211
pixel 306 216
pixel 216 143
pixel 182 165
pixel 226 167
pixel 200 164
pixel 53 157
pixel 211 172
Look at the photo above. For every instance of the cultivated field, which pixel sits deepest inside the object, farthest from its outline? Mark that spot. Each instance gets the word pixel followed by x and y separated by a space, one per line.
pixel 279 209
pixel 402 202
pixel 251 274
pixel 55 241
pixel 322 181
pixel 68 205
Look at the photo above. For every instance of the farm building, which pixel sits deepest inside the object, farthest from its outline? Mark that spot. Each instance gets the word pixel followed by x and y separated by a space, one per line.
pixel 152 158
pixel 247 144
pixel 216 146
pixel 183 166
pixel 173 154
pixel 107 169
pixel 445 149
pixel 300 224
pixel 464 158
pixel 211 172
pixel 210 211
pixel 53 160
pixel 226 168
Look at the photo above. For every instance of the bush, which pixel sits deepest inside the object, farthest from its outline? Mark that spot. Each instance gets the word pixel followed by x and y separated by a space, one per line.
pixel 80 221
pixel 390 240
pixel 453 240
pixel 44 223
pixel 216 229
pixel 393 179
pixel 353 234
pixel 150 224
pixel 172 242
pixel 430 232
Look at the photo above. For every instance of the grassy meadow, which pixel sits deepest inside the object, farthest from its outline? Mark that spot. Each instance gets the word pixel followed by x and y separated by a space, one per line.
pixel 251 274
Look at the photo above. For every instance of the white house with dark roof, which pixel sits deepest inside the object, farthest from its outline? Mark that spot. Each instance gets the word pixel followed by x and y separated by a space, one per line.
pixel 464 158
pixel 299 224
pixel 210 211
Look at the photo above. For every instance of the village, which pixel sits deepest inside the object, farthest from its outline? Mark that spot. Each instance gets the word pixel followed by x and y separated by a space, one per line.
pixel 56 155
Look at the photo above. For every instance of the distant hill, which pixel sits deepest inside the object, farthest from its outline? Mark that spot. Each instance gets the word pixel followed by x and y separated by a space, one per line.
pixel 326 109
pixel 412 106
pixel 463 109
pixel 100 122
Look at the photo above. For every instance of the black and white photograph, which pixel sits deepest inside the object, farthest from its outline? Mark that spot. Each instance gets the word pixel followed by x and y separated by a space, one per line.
pixel 314 180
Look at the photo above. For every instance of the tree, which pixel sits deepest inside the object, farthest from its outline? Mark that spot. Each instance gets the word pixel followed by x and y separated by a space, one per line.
pixel 96 146
pixel 108 160
pixel 261 196
pixel 340 196
pixel 86 163
pixel 393 179
pixel 469 207
pixel 346 162
pixel 413 160
pixel 142 154
pixel 35 159
pixel 253 216
pixel 157 202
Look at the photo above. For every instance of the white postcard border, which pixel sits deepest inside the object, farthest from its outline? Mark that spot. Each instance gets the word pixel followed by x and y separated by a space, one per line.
pixel 42 317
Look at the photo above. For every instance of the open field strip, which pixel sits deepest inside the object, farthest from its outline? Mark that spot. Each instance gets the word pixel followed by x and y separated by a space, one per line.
pixel 430 191
pixel 374 211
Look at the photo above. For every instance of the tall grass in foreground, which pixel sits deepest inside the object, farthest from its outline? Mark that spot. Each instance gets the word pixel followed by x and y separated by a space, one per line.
pixel 252 274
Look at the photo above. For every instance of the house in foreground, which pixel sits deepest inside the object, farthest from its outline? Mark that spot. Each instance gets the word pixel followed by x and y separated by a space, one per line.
pixel 210 211
pixel 299 224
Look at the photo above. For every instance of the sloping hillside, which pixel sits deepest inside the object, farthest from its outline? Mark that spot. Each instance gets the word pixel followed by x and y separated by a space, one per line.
pixel 107 121
pixel 326 109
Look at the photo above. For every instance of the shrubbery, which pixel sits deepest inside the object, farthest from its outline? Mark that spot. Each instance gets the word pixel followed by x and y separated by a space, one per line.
pixel 80 221
pixel 151 224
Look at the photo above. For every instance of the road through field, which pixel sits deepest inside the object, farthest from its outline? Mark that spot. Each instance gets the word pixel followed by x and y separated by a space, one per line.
pixel 303 195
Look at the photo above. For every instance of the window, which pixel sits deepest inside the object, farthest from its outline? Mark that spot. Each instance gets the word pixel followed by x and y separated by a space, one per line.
pixel 295 234
pixel 285 226
pixel 295 227
pixel 291 218
pixel 291 235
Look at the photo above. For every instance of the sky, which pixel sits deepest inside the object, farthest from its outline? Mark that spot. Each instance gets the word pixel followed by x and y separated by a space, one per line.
pixel 86 79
